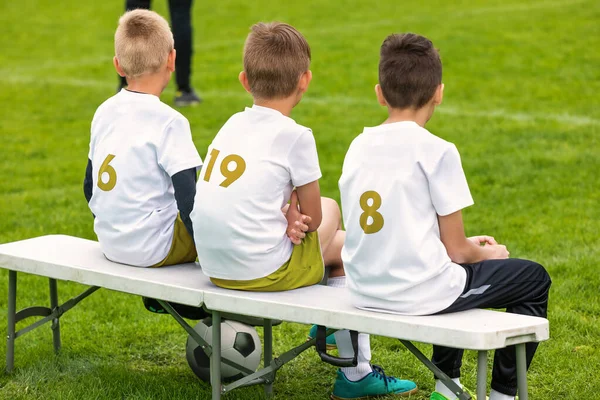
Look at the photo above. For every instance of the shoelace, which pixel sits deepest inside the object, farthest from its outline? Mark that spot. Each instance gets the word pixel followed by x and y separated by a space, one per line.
pixel 378 372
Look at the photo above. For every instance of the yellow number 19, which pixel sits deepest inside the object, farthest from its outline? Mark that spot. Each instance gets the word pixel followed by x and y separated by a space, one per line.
pixel 370 211
pixel 230 175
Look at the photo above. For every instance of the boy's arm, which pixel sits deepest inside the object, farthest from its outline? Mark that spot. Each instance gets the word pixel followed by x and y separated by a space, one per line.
pixel 88 182
pixel 309 197
pixel 184 184
pixel 297 222
pixel 463 250
pixel 305 173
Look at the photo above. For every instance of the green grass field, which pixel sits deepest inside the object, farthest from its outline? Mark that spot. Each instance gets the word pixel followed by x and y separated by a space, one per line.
pixel 521 104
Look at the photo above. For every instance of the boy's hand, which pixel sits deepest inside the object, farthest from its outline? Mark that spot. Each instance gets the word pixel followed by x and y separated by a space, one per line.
pixel 297 222
pixel 483 240
pixel 497 252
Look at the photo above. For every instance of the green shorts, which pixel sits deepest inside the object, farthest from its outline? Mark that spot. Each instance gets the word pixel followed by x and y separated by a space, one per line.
pixel 304 268
pixel 182 248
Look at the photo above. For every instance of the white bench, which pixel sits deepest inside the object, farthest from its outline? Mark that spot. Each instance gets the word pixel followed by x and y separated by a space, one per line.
pixel 60 257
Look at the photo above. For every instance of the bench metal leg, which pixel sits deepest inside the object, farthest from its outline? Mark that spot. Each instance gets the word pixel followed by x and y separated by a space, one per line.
pixel 450 384
pixel 481 374
pixel 12 311
pixel 268 354
pixel 521 371
pixel 215 357
pixel 56 321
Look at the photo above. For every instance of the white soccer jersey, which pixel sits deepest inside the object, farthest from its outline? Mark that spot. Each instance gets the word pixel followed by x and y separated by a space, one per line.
pixel 252 165
pixel 137 144
pixel 395 181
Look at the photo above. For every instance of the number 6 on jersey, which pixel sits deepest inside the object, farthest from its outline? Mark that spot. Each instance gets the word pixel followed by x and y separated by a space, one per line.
pixel 370 211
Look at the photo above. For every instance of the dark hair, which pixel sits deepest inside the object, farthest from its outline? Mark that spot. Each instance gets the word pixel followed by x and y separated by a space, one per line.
pixel 410 70
pixel 275 56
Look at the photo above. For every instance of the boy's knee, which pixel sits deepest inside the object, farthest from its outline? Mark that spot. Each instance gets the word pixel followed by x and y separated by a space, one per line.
pixel 331 207
pixel 540 273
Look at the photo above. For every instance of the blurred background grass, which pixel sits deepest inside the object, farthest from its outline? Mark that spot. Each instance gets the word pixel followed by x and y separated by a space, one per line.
pixel 521 104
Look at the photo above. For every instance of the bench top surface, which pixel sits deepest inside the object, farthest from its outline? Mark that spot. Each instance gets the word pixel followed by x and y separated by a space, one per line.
pixel 80 260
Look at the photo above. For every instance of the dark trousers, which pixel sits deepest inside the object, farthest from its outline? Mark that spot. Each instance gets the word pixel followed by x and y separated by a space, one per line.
pixel 181 23
pixel 520 286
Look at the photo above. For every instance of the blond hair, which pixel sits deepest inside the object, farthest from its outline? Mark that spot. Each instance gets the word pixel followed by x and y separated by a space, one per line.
pixel 275 57
pixel 143 41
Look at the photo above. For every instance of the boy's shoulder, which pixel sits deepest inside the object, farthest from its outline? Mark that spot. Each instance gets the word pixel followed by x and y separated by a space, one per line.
pixel 257 116
pixel 152 105
pixel 410 137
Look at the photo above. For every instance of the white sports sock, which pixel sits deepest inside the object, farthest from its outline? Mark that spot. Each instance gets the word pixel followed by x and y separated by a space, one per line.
pixel 337 281
pixel 494 395
pixel 345 350
pixel 442 389
pixel 344 344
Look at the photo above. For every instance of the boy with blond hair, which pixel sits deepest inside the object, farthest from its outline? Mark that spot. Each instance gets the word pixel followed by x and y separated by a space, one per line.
pixel 140 179
pixel 402 191
pixel 261 159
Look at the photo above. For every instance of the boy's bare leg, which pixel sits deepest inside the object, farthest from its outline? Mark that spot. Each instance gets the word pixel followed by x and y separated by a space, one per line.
pixel 331 236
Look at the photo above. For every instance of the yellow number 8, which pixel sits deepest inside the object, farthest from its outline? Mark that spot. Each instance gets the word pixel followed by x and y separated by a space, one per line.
pixel 370 211
pixel 112 174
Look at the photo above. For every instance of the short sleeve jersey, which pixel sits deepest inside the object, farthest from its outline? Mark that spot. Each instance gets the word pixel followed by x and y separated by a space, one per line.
pixel 137 144
pixel 252 165
pixel 396 179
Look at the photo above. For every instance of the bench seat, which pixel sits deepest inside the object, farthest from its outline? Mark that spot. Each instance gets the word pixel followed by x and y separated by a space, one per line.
pixel 74 259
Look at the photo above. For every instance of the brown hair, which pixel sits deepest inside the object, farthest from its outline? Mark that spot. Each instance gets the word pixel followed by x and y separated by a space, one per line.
pixel 275 56
pixel 143 42
pixel 410 70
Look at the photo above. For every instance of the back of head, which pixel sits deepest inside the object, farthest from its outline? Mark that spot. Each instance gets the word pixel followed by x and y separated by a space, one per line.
pixel 275 57
pixel 410 70
pixel 143 42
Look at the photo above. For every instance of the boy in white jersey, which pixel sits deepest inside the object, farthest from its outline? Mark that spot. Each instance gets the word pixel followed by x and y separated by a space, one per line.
pixel 141 175
pixel 260 160
pixel 402 191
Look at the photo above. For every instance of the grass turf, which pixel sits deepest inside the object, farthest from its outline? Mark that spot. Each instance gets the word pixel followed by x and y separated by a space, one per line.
pixel 521 105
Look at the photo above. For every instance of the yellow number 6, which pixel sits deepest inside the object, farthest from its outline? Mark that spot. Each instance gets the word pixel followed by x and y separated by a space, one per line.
pixel 112 174
pixel 370 211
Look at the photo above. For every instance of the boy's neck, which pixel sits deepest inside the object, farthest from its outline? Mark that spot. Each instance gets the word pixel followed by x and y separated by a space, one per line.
pixel 149 84
pixel 284 105
pixel 420 116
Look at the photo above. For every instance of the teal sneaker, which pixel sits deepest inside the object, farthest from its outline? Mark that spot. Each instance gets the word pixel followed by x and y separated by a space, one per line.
pixel 377 383
pixel 330 340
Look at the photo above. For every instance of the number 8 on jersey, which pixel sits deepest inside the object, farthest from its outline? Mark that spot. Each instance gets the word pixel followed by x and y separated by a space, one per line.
pixel 370 211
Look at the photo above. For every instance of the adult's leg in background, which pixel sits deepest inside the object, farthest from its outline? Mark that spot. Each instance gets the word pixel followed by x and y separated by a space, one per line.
pixel 181 22
pixel 520 286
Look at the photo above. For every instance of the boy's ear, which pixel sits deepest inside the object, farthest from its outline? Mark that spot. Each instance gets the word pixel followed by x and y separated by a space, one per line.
pixel 171 61
pixel 244 81
pixel 305 81
pixel 118 66
pixel 380 99
pixel 439 95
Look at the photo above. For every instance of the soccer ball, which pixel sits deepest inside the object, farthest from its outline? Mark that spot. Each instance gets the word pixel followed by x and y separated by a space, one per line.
pixel 239 343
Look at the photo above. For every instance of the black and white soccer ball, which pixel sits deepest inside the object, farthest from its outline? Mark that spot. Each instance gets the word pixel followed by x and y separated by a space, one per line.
pixel 239 343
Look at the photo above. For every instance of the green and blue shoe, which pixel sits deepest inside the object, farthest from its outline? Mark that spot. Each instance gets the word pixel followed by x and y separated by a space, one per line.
pixel 330 340
pixel 377 383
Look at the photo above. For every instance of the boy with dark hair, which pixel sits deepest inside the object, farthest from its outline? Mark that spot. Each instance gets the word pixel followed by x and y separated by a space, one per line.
pixel 261 159
pixel 402 191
